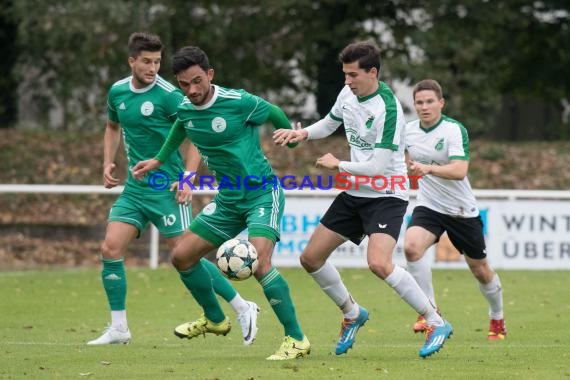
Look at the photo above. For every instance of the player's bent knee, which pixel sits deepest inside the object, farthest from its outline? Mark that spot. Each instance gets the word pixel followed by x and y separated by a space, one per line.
pixel 380 269
pixel 179 263
pixel 483 273
pixel 179 259
pixel 412 251
pixel 310 262
pixel 108 251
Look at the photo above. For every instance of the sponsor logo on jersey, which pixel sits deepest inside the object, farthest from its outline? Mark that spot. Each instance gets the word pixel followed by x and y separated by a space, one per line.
pixel 219 124
pixel 147 108
pixel 189 124
pixel 122 106
pixel 358 142
pixel 209 209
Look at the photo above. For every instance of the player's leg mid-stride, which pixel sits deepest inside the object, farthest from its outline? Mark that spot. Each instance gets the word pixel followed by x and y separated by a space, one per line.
pixel 348 330
pixel 201 326
pixel 291 349
pixel 435 338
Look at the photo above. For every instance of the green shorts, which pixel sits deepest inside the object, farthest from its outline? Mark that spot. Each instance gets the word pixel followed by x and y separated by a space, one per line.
pixel 159 208
pixel 220 220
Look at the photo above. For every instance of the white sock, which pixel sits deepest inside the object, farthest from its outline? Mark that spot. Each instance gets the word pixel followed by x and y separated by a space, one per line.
pixel 330 282
pixel 493 292
pixel 119 319
pixel 239 304
pixel 350 309
pixel 408 289
pixel 421 272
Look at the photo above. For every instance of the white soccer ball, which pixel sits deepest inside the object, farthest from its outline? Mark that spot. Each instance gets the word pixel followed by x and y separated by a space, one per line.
pixel 237 259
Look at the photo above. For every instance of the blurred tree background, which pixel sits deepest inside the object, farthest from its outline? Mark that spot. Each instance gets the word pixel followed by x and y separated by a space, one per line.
pixel 504 64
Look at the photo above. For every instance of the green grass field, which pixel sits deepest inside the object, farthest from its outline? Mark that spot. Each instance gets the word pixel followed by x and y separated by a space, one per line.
pixel 46 317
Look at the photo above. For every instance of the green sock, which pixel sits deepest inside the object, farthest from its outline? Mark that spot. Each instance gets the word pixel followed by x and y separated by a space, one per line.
pixel 222 285
pixel 277 293
pixel 115 283
pixel 198 281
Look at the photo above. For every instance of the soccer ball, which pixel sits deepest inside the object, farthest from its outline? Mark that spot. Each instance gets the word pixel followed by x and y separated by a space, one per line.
pixel 237 259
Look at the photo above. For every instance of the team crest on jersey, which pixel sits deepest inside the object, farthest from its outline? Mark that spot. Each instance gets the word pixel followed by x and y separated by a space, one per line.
pixel 147 108
pixel 209 209
pixel 439 145
pixel 219 124
pixel 369 122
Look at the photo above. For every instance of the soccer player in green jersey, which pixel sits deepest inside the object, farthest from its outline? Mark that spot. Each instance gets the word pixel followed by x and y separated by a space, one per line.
pixel 143 107
pixel 438 149
pixel 222 123
pixel 374 125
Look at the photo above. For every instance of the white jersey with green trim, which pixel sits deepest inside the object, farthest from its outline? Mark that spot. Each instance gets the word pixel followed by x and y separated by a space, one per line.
pixel 439 145
pixel 372 122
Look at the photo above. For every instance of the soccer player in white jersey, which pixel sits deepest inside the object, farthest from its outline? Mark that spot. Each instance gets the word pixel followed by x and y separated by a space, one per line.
pixel 142 108
pixel 438 149
pixel 374 124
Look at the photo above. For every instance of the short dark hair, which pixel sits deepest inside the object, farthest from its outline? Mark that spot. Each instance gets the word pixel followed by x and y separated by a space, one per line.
pixel 143 41
pixel 366 53
pixel 189 56
pixel 428 85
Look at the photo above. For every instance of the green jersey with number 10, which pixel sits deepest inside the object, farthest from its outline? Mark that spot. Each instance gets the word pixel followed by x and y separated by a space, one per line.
pixel 145 116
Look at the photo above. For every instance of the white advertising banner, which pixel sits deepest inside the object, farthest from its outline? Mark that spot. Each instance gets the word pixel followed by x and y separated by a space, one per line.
pixel 520 234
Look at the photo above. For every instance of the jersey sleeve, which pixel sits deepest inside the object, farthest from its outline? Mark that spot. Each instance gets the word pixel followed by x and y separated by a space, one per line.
pixel 172 102
pixel 394 122
pixel 459 144
pixel 255 109
pixel 111 108
pixel 173 141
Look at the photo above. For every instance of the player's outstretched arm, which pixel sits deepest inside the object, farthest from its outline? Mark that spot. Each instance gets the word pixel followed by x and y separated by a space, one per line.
pixel 283 137
pixel 175 138
pixel 280 121
pixel 143 167
pixel 319 130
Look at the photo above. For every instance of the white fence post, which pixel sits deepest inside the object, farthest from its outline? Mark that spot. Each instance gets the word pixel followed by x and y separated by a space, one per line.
pixel 154 245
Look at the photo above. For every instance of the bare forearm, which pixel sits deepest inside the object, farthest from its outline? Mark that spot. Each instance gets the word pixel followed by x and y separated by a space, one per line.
pixel 192 158
pixel 111 142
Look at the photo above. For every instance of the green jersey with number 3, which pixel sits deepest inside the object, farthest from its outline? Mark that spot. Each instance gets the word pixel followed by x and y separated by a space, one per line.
pixel 224 132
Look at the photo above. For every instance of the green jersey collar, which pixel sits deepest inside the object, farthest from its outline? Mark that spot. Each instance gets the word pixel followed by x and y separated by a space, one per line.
pixel 367 97
pixel 427 130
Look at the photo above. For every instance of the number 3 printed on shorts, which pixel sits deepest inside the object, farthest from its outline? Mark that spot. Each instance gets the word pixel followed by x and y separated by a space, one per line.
pixel 261 211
